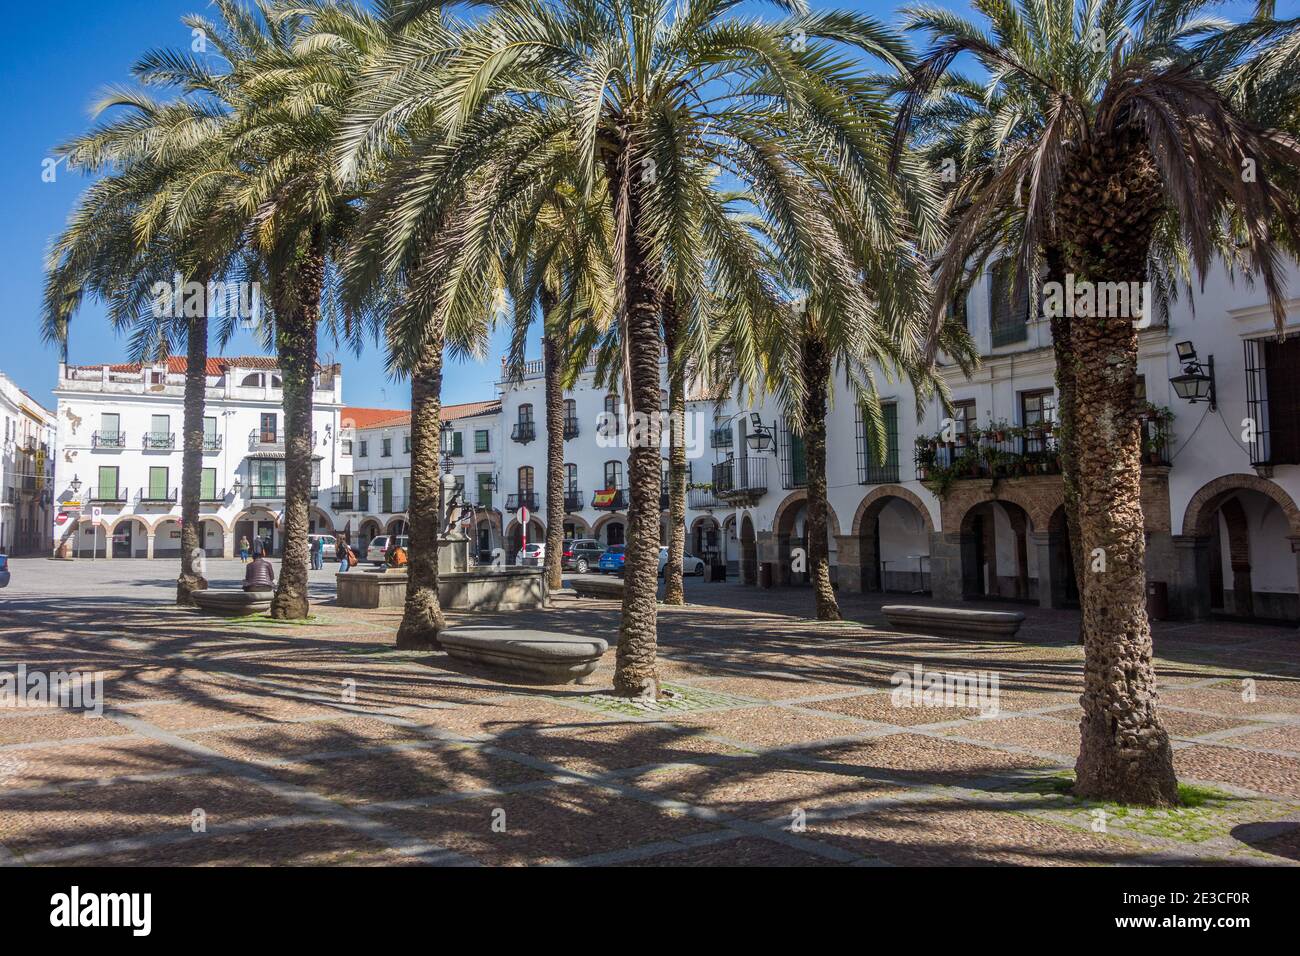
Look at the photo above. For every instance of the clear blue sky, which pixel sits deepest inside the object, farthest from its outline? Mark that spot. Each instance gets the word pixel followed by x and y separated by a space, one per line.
pixel 56 57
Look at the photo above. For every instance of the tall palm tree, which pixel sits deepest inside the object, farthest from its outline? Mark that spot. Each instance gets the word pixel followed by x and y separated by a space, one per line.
pixel 1139 143
pixel 649 100
pixel 295 66
pixel 139 229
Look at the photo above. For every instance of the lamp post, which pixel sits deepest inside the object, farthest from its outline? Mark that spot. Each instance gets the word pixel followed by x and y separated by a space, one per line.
pixel 1196 384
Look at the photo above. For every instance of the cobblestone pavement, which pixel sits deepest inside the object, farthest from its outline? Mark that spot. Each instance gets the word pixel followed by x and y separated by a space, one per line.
pixel 252 742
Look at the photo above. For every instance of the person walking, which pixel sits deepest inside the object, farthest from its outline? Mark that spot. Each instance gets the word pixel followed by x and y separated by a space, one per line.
pixel 317 553
pixel 344 553
pixel 243 548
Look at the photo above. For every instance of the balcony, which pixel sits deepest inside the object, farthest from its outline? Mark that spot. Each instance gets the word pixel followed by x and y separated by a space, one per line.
pixel 702 499
pixel 484 500
pixel 342 501
pixel 157 496
pixel 524 499
pixel 212 443
pixel 610 499
pixel 740 479
pixel 1010 452
pixel 158 441
pixel 392 505
pixel 572 501
pixel 115 496
pixel 570 428
pixel 212 497
pixel 523 432
pixel 665 493
pixel 266 491
pixel 265 441
pixel 108 441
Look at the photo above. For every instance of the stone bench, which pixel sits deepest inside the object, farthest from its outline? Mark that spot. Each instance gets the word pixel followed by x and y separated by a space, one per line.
pixel 236 603
pixel 524 655
pixel 606 589
pixel 953 621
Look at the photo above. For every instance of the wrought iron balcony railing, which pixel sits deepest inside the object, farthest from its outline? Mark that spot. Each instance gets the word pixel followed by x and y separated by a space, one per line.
pixel 157 496
pixel 740 478
pixel 159 441
pixel 212 496
pixel 212 443
pixel 572 501
pixel 523 499
pixel 523 432
pixel 342 501
pixel 108 440
pixel 701 499
pixel 110 494
pixel 570 428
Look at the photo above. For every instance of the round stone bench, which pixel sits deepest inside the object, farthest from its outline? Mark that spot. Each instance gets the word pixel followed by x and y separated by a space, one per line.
pixel 524 655
pixel 226 601
pixel 604 589
pixel 953 621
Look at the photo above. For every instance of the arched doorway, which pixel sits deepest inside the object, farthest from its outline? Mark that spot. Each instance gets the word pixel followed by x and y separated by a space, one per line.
pixel 212 537
pixel 705 540
pixel 893 527
pixel 369 528
pixel 790 529
pixel 398 526
pixel 748 552
pixel 996 560
pixel 258 524
pixel 730 544
pixel 167 538
pixel 576 527
pixel 1244 529
pixel 610 530
pixel 130 538
pixel 1060 554
pixel 319 522
pixel 515 537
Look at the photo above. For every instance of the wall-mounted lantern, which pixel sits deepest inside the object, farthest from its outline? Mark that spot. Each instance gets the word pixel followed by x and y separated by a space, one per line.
pixel 1196 384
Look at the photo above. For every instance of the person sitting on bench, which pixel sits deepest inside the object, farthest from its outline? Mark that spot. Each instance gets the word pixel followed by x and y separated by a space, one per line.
pixel 260 575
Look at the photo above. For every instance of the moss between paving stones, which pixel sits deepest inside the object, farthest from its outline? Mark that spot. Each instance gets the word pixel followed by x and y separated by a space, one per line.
pixel 685 699
pixel 1205 813
pixel 261 618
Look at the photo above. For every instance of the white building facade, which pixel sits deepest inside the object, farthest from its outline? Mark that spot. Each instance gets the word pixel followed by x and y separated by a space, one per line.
pixel 118 474
pixel 27 441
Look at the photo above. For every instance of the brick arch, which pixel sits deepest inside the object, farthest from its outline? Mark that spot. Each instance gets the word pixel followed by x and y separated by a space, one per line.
pixel 606 519
pixel 225 528
pixel 578 521
pixel 788 508
pixel 1203 505
pixel 1037 506
pixel 876 499
pixel 111 527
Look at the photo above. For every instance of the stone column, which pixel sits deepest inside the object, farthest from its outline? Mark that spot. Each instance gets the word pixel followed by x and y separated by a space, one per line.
pixel 228 544
pixel 945 566
pixel 851 573
pixel 148 546
pixel 765 543
pixel 108 539
pixel 1190 593
pixel 1053 568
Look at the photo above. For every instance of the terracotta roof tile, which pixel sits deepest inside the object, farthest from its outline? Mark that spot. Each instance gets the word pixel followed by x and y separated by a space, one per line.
pixel 392 417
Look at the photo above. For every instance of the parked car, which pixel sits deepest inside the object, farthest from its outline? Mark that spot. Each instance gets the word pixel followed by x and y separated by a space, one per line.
pixel 581 554
pixel 379 544
pixel 331 548
pixel 611 562
pixel 532 554
pixel 690 563
pixel 4 571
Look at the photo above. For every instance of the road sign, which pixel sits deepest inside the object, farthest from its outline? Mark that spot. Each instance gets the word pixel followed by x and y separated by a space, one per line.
pixel 96 513
pixel 524 516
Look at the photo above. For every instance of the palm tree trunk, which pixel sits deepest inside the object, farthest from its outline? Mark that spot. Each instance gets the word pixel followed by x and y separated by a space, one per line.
pixel 674 592
pixel 1107 211
pixel 817 372
pixel 636 671
pixel 295 346
pixel 422 618
pixel 1066 371
pixel 554 572
pixel 196 361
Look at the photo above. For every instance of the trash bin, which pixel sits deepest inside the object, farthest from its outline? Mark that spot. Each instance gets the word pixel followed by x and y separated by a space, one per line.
pixel 765 574
pixel 715 572
pixel 1158 600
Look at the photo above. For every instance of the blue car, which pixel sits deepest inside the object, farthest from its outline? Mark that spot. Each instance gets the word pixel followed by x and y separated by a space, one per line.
pixel 611 562
pixel 4 571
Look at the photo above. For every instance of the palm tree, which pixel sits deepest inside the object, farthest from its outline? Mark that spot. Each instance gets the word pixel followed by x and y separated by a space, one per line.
pixel 139 229
pixel 295 66
pixel 1138 143
pixel 650 101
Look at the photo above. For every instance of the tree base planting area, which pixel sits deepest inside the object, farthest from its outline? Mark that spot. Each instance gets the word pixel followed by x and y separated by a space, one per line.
pixel 778 741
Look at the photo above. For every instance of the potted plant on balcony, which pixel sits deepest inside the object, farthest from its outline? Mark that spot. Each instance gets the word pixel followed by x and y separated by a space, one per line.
pixel 927 450
pixel 1157 429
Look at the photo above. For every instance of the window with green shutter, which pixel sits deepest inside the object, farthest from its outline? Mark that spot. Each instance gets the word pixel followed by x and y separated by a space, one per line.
pixel 208 485
pixel 485 489
pixel 481 441
pixel 457 444
pixel 158 483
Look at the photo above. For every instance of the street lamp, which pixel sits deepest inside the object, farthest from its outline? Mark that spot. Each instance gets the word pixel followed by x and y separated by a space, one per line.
pixel 75 484
pixel 760 437
pixel 1196 384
